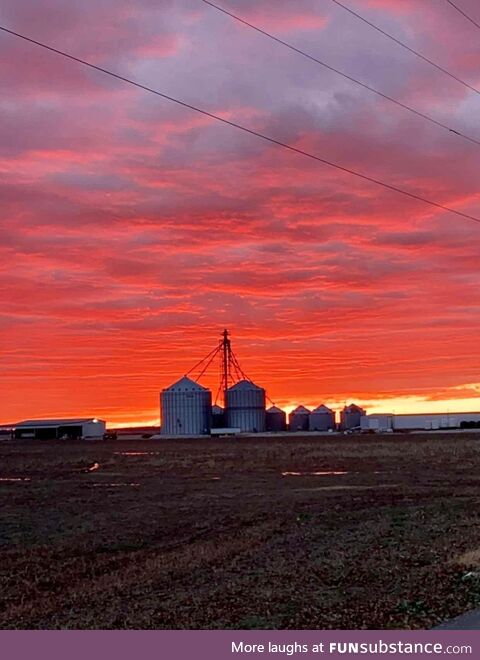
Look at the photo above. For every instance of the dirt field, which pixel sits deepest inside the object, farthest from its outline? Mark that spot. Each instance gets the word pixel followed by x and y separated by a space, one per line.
pixel 344 532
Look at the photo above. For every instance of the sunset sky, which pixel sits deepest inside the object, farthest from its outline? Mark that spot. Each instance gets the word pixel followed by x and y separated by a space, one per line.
pixel 133 231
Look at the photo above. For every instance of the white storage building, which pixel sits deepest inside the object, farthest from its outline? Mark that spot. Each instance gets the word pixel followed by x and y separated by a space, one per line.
pixel 377 422
pixel 433 421
pixel 420 421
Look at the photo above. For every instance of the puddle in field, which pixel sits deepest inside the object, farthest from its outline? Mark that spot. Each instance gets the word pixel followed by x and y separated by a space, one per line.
pixel 310 490
pixel 313 474
pixel 137 453
pixel 14 479
pixel 117 485
pixel 470 558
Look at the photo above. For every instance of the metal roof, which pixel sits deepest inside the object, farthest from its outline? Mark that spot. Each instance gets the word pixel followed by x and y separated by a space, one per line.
pixel 434 414
pixel 323 409
pixel 56 422
pixel 300 410
pixel 185 384
pixel 245 385
pixel 275 409
pixel 353 408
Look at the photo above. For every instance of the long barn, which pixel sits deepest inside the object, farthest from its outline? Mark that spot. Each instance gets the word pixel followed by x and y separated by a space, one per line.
pixel 421 421
pixel 89 428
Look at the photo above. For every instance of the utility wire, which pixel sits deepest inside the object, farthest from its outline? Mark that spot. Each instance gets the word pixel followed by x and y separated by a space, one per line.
pixel 247 378
pixel 217 348
pixel 220 384
pixel 234 364
pixel 342 73
pixel 250 131
pixel 411 50
pixel 219 391
pixel 469 18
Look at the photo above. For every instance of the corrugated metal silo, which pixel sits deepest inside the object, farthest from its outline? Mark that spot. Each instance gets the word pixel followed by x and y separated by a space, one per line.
pixel 276 419
pixel 246 407
pixel 322 419
pixel 351 416
pixel 185 408
pixel 218 417
pixel 298 420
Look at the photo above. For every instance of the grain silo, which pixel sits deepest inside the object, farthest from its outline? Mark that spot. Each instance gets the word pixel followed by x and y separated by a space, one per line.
pixel 351 416
pixel 218 417
pixel 298 419
pixel 322 419
pixel 276 419
pixel 185 408
pixel 245 407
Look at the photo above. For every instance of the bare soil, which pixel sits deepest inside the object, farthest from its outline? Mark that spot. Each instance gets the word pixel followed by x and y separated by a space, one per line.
pixel 362 532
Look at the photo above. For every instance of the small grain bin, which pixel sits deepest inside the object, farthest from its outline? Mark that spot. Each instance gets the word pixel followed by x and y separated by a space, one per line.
pixel 298 420
pixel 245 407
pixel 351 417
pixel 218 417
pixel 322 419
pixel 276 419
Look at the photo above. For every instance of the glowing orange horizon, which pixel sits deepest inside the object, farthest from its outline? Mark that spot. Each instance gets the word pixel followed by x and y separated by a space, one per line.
pixel 393 404
pixel 396 405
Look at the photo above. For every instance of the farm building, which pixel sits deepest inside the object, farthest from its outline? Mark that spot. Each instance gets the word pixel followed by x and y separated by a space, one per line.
pixel 52 429
pixel 433 421
pixel 245 407
pixel 185 408
pixel 377 422
pixel 421 421
pixel 276 419
pixel 298 420
pixel 322 419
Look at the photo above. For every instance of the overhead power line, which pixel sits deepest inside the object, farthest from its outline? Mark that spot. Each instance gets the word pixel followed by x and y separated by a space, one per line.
pixel 203 360
pixel 245 129
pixel 410 50
pixel 469 18
pixel 422 115
pixel 217 351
